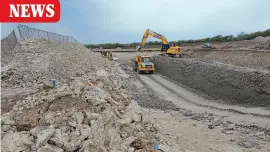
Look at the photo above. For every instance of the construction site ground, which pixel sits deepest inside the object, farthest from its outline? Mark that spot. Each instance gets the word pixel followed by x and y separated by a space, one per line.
pixel 197 108
pixel 103 105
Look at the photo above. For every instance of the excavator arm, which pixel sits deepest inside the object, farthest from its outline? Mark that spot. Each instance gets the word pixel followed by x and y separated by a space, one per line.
pixel 165 47
pixel 148 33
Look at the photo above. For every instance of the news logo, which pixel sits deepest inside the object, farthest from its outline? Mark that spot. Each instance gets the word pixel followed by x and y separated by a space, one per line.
pixel 31 11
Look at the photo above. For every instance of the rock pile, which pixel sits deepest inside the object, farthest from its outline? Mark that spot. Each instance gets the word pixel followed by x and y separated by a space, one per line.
pixel 89 110
pixel 34 61
pixel 259 38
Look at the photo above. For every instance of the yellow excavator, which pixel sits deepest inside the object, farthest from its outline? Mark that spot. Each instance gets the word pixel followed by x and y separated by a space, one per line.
pixel 165 47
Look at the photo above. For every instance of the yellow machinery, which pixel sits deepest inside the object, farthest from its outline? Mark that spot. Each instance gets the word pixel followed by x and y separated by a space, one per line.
pixel 107 54
pixel 165 48
pixel 143 64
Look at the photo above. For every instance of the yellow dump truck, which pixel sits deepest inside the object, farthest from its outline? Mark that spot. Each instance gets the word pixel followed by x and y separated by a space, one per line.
pixel 143 64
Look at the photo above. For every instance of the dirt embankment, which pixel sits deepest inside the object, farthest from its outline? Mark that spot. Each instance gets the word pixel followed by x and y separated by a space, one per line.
pixel 234 84
pixel 245 58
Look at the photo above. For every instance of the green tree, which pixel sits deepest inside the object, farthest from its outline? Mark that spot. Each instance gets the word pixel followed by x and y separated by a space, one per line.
pixel 218 38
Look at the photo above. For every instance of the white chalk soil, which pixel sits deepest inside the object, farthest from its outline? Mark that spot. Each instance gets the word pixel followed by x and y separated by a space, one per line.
pixel 181 134
pixel 182 97
pixel 201 125
pixel 193 133
pixel 92 109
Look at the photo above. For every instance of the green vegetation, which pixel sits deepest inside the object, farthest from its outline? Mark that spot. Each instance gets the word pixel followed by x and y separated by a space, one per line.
pixel 218 38
pixel 105 46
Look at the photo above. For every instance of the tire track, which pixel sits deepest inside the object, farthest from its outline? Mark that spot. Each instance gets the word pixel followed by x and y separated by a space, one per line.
pixel 207 106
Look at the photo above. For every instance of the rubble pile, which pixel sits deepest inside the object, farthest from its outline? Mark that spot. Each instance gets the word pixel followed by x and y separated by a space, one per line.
pixel 262 46
pixel 35 61
pixel 90 109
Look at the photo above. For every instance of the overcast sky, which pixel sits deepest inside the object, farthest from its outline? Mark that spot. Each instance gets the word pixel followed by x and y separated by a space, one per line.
pixel 124 21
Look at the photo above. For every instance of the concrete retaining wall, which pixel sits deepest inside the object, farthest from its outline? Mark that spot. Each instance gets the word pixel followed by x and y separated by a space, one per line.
pixel 237 85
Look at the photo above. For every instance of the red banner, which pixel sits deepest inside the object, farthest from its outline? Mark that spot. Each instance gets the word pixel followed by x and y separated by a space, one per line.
pixel 31 11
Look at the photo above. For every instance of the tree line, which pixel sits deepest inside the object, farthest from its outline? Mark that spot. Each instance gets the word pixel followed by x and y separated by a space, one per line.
pixel 218 38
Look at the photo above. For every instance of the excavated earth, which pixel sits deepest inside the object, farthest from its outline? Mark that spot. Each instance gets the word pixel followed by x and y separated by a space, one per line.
pixel 103 106
pixel 222 75
pixel 244 58
pixel 227 118
pixel 92 107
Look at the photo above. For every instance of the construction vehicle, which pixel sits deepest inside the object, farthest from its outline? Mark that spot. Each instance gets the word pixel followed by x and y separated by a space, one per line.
pixel 107 54
pixel 207 45
pixel 143 64
pixel 165 47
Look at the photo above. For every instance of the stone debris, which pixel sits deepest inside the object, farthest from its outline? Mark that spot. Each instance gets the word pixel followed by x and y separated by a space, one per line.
pixel 89 109
pixel 188 113
pixel 229 127
pixel 245 130
pixel 17 141
pixel 211 126
pixel 200 116
pixel 217 122
pixel 261 136
pixel 227 132
pixel 44 136
pixel 248 144
pixel 50 148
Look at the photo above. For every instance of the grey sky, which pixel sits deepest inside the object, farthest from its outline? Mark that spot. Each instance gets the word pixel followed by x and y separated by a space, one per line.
pixel 124 21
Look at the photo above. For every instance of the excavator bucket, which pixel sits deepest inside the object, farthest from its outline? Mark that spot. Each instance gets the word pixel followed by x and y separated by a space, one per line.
pixel 138 48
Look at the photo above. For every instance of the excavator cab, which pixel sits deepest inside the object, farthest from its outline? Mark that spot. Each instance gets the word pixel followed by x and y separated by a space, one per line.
pixel 170 50
pixel 165 47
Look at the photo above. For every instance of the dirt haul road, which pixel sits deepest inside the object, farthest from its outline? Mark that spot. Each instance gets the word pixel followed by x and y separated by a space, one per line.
pixel 183 98
pixel 198 107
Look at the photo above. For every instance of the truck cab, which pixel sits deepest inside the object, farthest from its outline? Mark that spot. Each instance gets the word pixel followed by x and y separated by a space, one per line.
pixel 144 64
